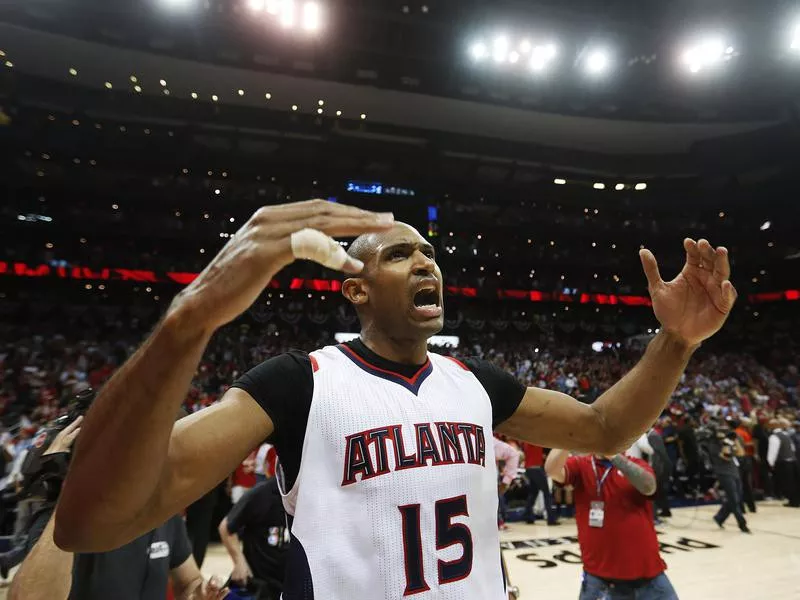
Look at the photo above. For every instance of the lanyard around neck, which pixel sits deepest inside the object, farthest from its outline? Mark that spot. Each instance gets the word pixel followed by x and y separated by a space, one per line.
pixel 601 480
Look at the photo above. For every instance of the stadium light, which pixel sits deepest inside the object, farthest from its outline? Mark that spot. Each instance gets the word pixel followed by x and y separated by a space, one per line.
pixel 619 187
pixel 311 16
pixel 287 14
pixel 478 51
pixel 500 49
pixel 542 56
pixel 559 181
pixel 597 62
pixel 765 225
pixel 599 186
pixel 640 186
pixel 177 4
pixel 707 54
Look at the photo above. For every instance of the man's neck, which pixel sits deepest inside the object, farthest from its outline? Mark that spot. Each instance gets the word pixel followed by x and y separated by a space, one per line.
pixel 410 352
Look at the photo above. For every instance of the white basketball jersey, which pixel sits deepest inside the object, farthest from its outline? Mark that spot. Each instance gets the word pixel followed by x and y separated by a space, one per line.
pixel 396 493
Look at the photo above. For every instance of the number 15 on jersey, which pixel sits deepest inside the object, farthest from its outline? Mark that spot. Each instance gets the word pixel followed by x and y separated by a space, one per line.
pixel 447 534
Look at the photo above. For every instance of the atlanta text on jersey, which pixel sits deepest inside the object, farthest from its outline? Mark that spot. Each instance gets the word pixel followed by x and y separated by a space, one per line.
pixel 436 444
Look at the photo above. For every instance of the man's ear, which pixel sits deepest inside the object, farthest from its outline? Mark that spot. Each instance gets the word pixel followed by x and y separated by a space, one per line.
pixel 355 291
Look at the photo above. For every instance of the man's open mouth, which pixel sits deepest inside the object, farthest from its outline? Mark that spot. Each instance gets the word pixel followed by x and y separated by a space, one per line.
pixel 427 303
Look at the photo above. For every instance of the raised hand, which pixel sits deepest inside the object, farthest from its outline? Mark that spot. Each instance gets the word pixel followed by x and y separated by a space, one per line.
pixel 695 304
pixel 264 245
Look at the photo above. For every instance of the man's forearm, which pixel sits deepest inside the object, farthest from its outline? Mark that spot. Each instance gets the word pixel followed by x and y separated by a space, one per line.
pixel 555 463
pixel 640 478
pixel 631 406
pixel 122 449
pixel 46 573
pixel 231 543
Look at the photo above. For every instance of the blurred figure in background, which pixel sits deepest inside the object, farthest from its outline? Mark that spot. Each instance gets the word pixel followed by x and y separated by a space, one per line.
pixel 746 460
pixel 255 535
pixel 243 478
pixel 721 447
pixel 782 459
pixel 507 457
pixel 537 479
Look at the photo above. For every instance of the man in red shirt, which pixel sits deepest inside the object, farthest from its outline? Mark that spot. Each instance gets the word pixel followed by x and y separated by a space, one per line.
pixel 614 513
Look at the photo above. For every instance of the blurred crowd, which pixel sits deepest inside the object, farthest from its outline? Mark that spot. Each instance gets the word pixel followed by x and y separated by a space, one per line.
pixel 40 373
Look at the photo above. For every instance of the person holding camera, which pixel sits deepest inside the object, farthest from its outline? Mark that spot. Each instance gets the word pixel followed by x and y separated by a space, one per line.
pixel 139 570
pixel 722 447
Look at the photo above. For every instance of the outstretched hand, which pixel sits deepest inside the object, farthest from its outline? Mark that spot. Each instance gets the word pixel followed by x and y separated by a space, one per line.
pixel 695 304
pixel 272 238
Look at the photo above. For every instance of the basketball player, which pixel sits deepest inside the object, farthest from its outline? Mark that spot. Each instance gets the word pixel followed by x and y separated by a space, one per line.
pixel 388 465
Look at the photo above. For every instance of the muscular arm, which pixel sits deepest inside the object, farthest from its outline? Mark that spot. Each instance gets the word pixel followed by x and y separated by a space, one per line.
pixel 151 470
pixel 616 418
pixel 642 479
pixel 46 573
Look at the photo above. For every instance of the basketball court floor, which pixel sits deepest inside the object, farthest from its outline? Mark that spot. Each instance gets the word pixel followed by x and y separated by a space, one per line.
pixel 704 562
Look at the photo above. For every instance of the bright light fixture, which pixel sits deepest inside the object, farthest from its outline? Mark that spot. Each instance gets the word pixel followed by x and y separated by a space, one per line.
pixel 597 62
pixel 241 92
pixel 268 96
pixel 133 79
pixel 706 54
pixel 73 72
pixel 619 187
pixel 294 106
pixel 640 186
pixel 478 51
pixel 311 16
pixel 287 14
pixel 137 89
pixel 108 85
pixel 765 225
pixel 163 83
pixel 194 95
pixel 363 116
pixel 500 49
pixel 214 97
pixel 541 56
pixel 559 181
pixel 599 186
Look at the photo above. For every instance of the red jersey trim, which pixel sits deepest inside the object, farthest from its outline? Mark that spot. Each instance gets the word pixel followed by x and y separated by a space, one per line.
pixel 458 362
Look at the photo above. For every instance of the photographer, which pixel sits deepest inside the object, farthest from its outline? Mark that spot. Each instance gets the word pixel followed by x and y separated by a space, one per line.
pixel 722 446
pixel 140 570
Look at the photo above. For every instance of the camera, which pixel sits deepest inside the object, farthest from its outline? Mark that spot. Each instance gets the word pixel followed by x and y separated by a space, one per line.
pixel 42 475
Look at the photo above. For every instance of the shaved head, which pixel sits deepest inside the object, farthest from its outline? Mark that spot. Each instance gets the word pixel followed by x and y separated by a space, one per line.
pixel 365 246
pixel 398 295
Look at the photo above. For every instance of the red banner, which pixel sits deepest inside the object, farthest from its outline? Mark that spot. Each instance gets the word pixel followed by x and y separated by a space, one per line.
pixel 20 269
